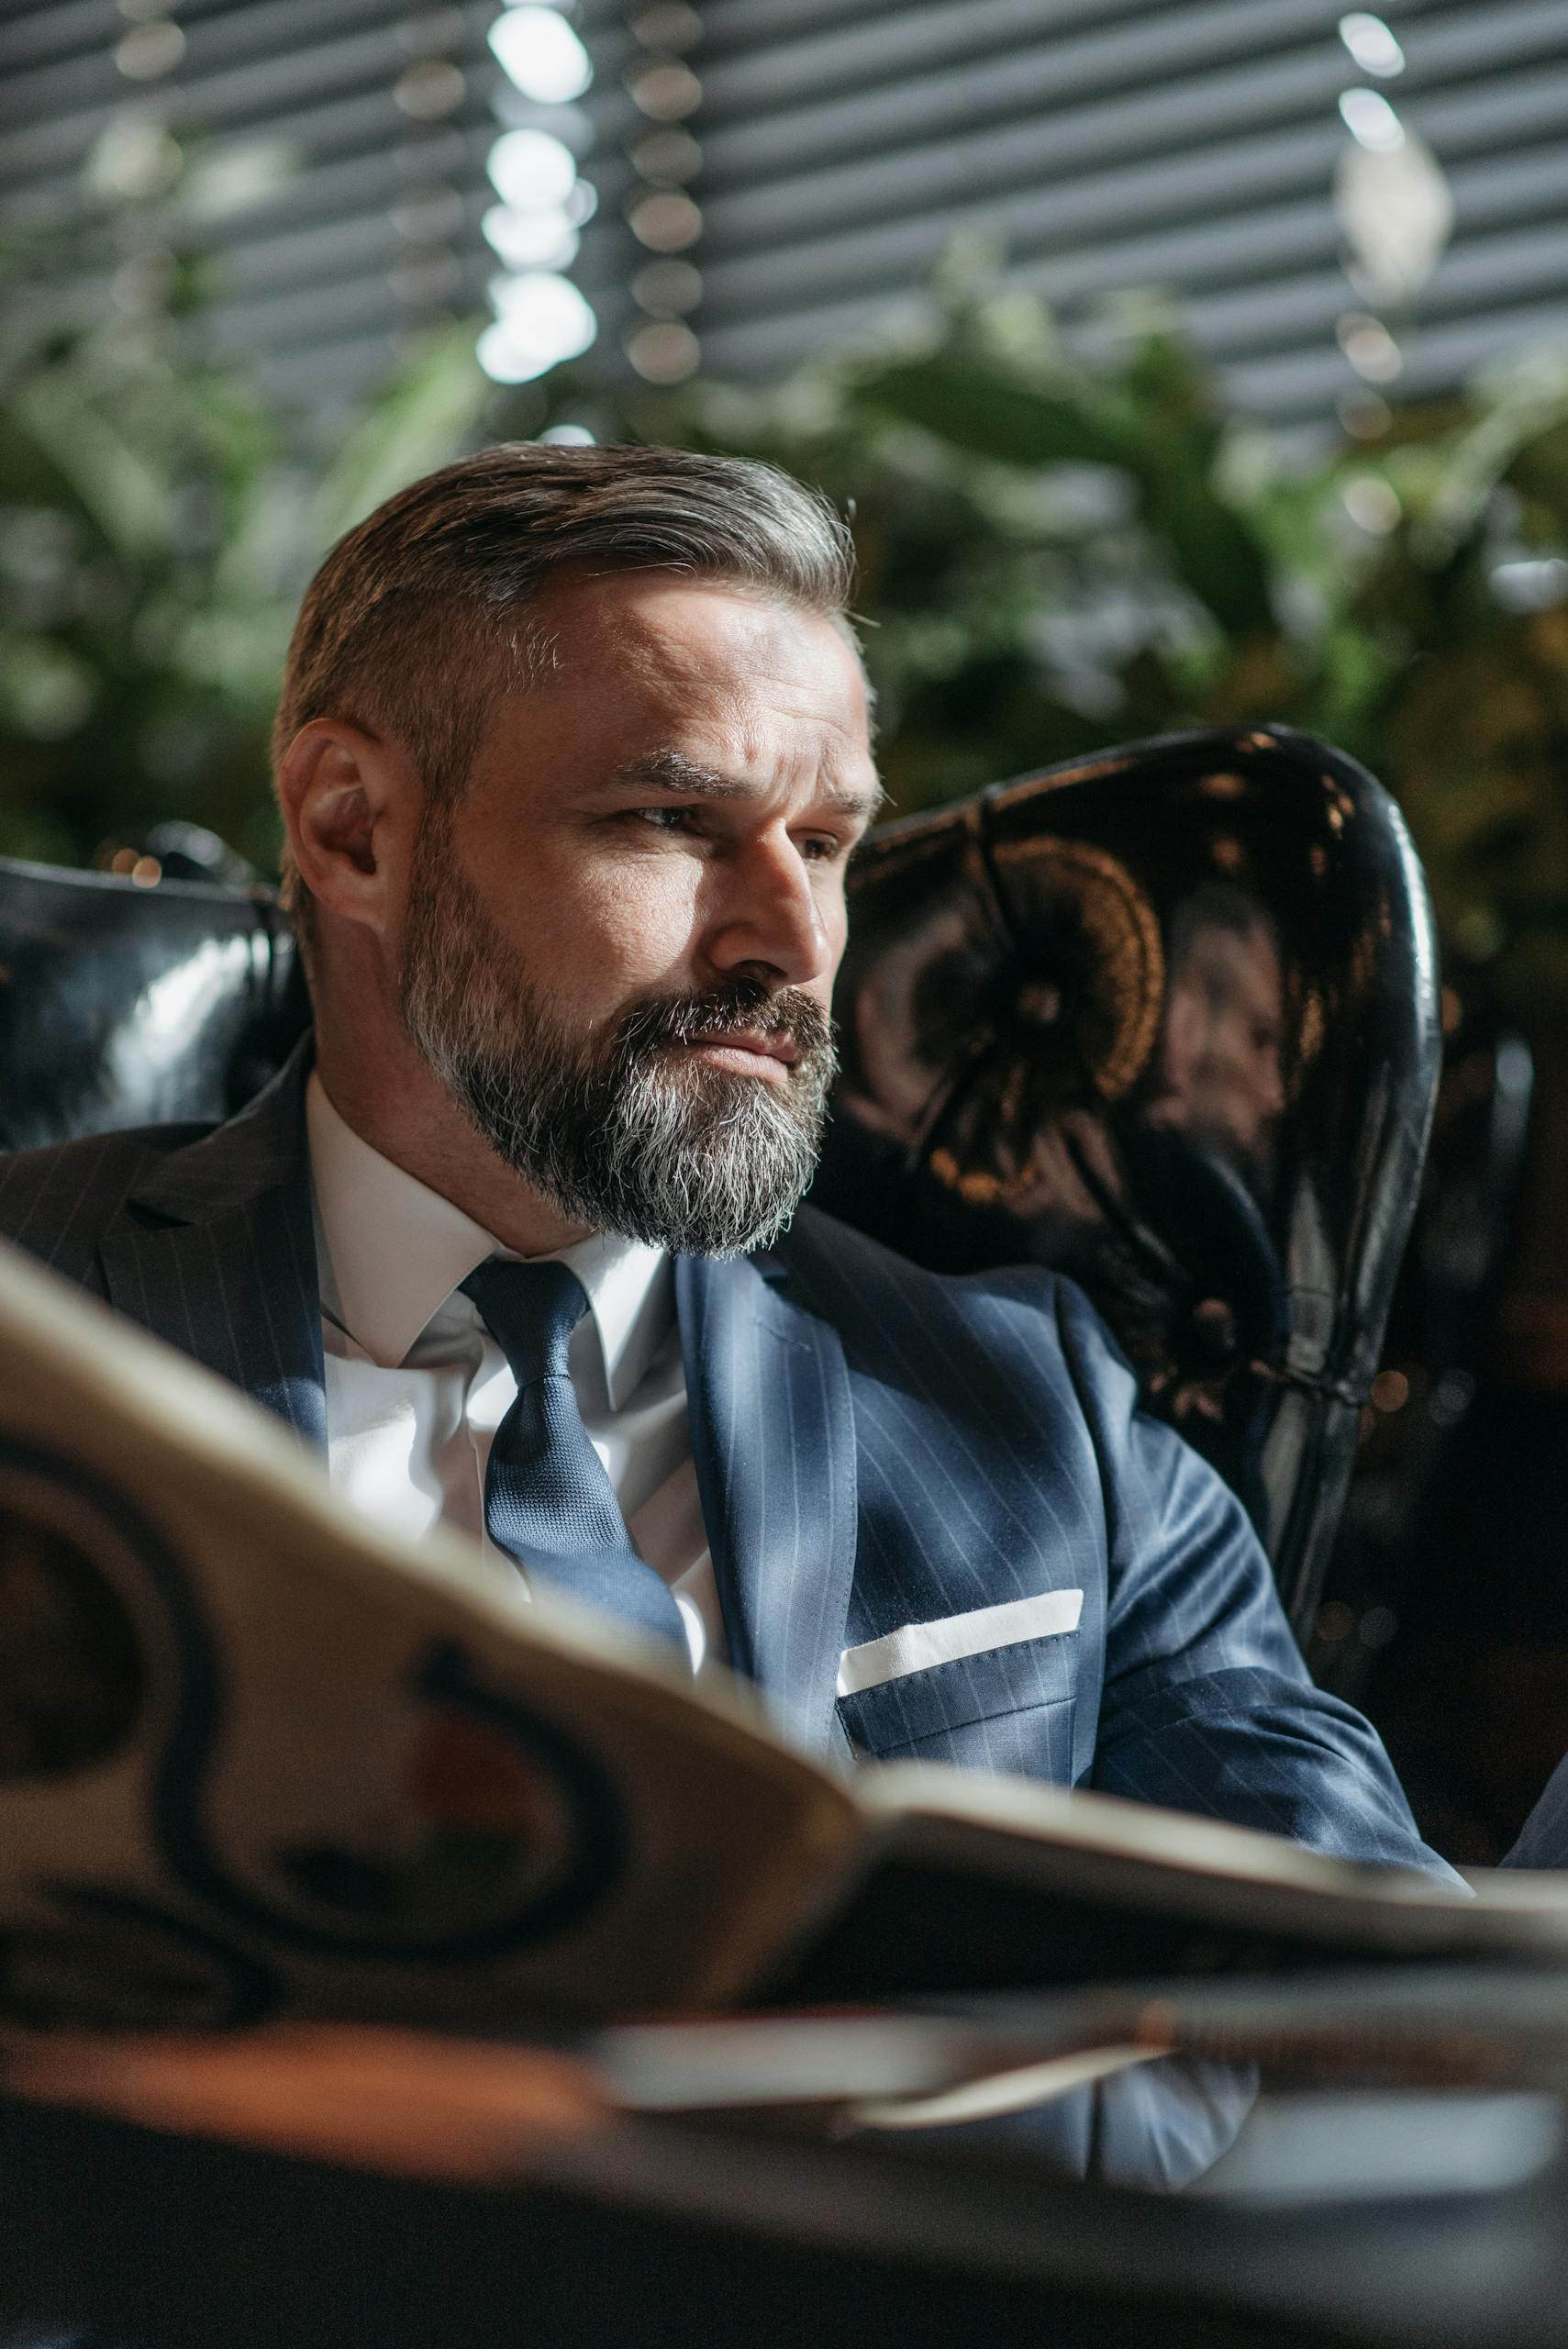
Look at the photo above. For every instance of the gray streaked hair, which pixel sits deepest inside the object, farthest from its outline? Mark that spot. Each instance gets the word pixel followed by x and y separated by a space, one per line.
pixel 420 617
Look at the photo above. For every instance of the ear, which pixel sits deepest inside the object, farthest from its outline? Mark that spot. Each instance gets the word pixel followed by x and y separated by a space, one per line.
pixel 351 801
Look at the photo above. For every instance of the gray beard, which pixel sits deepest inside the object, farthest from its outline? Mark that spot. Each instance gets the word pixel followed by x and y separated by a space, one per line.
pixel 628 1135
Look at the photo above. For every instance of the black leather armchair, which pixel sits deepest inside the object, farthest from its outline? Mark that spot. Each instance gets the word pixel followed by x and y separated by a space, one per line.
pixel 1166 1020
pixel 125 1005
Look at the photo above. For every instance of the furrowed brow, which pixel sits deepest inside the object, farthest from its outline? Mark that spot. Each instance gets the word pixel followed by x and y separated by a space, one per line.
pixel 866 807
pixel 673 771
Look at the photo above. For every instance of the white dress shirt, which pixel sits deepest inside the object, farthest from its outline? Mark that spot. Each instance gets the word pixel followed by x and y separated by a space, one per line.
pixel 416 1386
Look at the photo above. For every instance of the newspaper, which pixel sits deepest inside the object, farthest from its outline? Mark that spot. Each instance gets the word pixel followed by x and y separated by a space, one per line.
pixel 259 1760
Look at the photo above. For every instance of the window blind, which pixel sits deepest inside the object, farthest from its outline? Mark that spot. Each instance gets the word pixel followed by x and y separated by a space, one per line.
pixel 1104 148
pixel 357 131
pixel 835 150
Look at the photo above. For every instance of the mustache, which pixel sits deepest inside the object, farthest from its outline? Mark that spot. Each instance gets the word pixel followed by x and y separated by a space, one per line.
pixel 742 1005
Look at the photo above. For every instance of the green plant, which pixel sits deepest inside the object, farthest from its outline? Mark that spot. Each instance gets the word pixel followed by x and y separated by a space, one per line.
pixel 1460 618
pixel 159 519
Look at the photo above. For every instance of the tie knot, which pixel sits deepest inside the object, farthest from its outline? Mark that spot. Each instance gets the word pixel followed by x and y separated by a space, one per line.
pixel 530 1310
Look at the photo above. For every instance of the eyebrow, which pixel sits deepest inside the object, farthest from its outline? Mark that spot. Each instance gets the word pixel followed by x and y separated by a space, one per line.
pixel 673 771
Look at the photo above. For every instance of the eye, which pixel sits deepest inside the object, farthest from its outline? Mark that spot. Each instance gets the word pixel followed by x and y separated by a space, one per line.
pixel 665 819
pixel 826 848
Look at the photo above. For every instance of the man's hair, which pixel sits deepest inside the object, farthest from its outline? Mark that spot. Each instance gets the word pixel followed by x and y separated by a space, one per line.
pixel 421 616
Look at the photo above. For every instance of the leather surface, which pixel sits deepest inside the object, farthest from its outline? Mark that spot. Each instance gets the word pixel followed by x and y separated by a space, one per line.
pixel 122 1005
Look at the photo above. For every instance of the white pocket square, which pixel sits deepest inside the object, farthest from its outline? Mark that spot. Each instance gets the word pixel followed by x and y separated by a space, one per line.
pixel 917 1646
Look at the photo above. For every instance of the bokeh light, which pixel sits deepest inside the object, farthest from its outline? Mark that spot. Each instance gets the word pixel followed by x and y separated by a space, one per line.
pixel 540 55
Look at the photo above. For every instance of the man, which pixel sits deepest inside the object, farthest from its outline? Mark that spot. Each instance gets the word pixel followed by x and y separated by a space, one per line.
pixel 572 754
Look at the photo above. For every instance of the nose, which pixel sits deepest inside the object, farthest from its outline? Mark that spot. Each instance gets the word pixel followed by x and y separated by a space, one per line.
pixel 764 915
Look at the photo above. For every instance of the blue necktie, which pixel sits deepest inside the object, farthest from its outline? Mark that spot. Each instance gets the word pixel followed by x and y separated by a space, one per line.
pixel 548 1500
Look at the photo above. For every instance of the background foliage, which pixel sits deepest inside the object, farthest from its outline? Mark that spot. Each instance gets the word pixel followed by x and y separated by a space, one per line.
pixel 158 520
pixel 1058 551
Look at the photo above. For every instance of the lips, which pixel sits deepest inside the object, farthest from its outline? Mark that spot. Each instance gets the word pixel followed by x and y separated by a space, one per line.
pixel 749 1039
pixel 776 1034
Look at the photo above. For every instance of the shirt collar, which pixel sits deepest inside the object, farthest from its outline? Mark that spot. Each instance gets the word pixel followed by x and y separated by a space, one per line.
pixel 394 1250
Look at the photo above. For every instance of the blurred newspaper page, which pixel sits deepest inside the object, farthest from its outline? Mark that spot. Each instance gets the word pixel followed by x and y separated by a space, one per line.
pixel 257 1758
pixel 971 1881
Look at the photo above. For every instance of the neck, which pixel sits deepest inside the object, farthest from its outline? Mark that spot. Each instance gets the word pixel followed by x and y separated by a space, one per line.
pixel 382 1086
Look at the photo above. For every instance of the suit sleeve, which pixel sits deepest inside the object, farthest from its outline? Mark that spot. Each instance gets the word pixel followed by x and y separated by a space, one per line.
pixel 1208 1705
pixel 1208 1708
pixel 1543 1839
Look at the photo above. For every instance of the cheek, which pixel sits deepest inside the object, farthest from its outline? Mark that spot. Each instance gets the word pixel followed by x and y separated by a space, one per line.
pixel 617 928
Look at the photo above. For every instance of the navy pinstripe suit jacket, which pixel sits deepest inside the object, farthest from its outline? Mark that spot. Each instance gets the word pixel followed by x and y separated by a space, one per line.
pixel 875 1446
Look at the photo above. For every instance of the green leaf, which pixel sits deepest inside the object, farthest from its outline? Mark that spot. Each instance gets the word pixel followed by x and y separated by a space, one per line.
pixel 991 416
pixel 434 402
pixel 1217 556
pixel 113 480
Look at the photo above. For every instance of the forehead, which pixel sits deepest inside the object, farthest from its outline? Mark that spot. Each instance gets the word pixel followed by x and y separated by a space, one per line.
pixel 653 647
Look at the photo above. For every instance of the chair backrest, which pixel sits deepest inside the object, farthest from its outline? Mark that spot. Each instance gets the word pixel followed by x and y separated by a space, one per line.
pixel 1166 1020
pixel 128 1006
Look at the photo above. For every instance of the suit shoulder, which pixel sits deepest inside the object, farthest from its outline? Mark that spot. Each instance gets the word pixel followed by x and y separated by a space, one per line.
pixel 58 1201
pixel 1021 1311
pixel 819 1246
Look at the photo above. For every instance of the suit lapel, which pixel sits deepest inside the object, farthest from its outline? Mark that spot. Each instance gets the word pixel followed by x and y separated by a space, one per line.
pixel 774 1444
pixel 217 1255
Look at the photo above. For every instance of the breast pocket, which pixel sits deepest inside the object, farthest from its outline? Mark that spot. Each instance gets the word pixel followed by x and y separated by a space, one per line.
pixel 992 1691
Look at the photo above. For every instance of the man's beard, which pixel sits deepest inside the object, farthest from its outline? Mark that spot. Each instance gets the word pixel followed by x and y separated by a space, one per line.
pixel 629 1132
